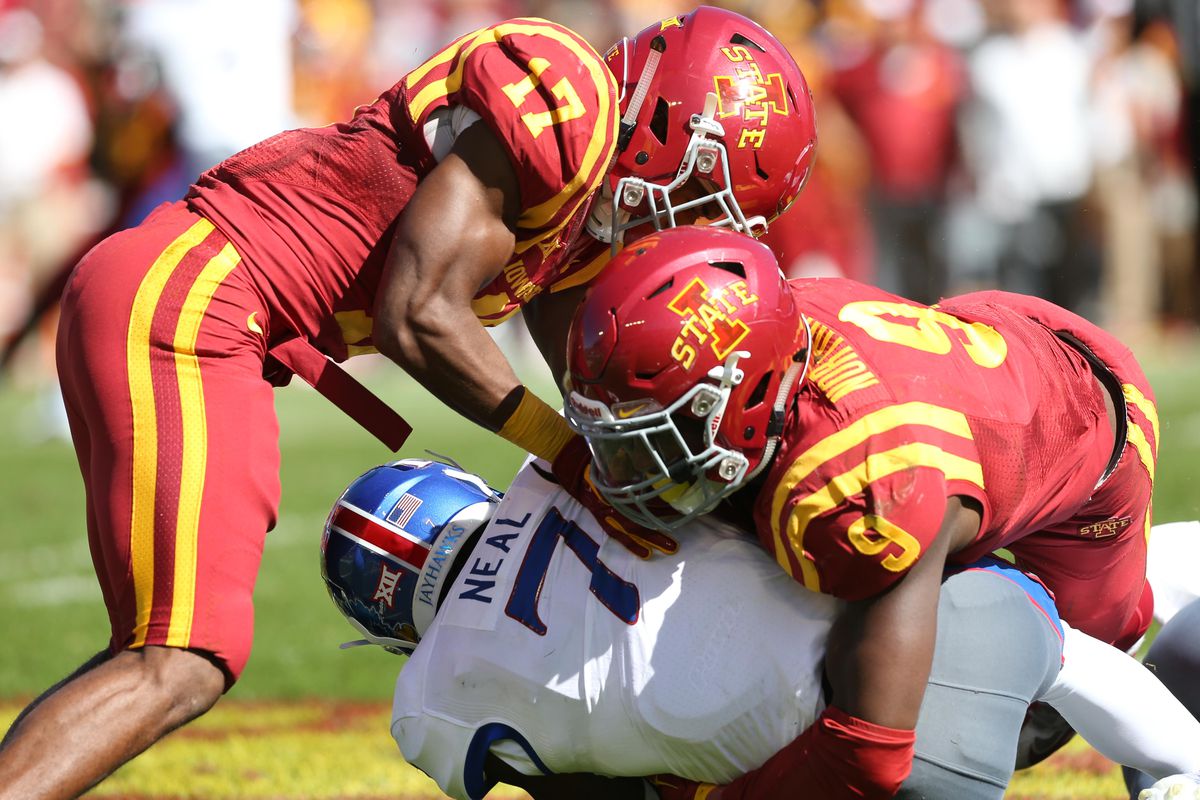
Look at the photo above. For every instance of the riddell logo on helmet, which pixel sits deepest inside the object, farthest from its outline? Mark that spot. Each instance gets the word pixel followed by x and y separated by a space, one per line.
pixel 707 319
pixel 585 407
pixel 750 94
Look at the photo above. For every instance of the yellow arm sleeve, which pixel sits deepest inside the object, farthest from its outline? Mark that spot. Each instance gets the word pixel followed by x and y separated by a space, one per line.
pixel 537 428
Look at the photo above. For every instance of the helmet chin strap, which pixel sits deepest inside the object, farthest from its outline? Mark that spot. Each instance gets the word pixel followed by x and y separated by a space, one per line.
pixel 605 216
pixel 629 120
pixel 381 641
pixel 775 427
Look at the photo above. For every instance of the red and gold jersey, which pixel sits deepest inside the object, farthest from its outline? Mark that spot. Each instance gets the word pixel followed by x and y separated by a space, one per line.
pixel 311 211
pixel 906 405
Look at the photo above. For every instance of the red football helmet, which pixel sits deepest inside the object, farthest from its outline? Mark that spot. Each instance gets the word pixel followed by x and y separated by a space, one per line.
pixel 682 358
pixel 716 118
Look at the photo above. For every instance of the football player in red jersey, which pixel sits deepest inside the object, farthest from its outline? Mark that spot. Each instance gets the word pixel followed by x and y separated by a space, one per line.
pixel 868 442
pixel 457 198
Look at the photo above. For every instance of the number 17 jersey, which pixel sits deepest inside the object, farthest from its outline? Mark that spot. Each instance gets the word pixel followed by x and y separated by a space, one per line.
pixel 311 211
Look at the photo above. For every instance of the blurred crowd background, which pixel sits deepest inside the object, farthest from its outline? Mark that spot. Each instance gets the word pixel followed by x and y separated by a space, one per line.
pixel 1042 146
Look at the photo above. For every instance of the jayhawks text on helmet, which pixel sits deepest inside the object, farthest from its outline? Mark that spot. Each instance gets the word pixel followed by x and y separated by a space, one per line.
pixel 427 591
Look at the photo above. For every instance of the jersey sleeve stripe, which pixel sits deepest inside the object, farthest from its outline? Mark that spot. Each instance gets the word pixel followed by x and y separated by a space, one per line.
pixel 854 481
pixel 443 56
pixel 195 441
pixel 437 89
pixel 600 146
pixel 585 274
pixel 145 421
pixel 1137 437
pixel 1147 451
pixel 884 419
pixel 1143 404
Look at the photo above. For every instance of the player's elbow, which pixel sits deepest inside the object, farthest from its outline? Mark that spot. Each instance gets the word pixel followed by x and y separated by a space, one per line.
pixel 406 329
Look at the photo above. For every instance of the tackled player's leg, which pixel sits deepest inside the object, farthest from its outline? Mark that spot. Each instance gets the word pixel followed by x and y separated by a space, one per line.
pixel 1175 658
pixel 996 652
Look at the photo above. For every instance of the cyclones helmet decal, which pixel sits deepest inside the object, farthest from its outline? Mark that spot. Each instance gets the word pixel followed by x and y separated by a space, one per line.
pixel 750 95
pixel 682 357
pixel 710 318
pixel 700 97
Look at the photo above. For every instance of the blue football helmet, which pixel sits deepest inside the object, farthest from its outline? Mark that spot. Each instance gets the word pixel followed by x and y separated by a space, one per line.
pixel 391 541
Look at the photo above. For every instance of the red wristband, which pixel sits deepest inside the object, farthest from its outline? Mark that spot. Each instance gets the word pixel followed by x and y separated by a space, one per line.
pixel 839 757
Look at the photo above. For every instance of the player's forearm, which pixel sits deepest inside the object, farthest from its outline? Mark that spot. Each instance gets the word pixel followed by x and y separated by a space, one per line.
pixel 454 237
pixel 880 654
pixel 880 650
pixel 448 352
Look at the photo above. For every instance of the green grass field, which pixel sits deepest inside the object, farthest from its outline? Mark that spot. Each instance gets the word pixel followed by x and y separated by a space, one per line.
pixel 309 720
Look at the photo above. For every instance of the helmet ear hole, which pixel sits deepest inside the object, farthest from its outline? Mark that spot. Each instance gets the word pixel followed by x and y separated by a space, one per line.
pixel 658 121
pixel 669 283
pixel 734 267
pixel 646 376
pixel 741 39
pixel 759 170
pixel 760 390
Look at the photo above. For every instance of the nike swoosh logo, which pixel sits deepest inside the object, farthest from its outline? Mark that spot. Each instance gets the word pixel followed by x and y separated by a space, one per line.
pixel 252 324
pixel 626 413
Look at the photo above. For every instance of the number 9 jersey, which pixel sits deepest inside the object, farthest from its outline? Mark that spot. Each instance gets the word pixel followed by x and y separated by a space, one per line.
pixel 993 396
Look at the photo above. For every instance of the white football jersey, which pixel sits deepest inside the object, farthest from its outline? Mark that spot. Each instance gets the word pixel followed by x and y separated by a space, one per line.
pixel 1171 567
pixel 560 651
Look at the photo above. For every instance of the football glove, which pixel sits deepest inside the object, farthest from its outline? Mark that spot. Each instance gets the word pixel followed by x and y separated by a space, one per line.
pixel 1174 787
pixel 572 468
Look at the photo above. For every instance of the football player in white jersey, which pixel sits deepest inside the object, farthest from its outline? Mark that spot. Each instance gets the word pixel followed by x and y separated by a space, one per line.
pixel 549 656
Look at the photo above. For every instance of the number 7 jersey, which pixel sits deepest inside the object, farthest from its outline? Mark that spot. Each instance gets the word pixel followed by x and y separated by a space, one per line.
pixel 561 651
pixel 906 405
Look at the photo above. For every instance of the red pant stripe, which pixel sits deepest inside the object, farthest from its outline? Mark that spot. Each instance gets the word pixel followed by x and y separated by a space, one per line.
pixel 195 441
pixel 169 435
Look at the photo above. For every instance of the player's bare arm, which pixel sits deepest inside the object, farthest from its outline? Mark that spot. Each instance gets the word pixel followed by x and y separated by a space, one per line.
pixel 453 238
pixel 881 648
pixel 879 655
